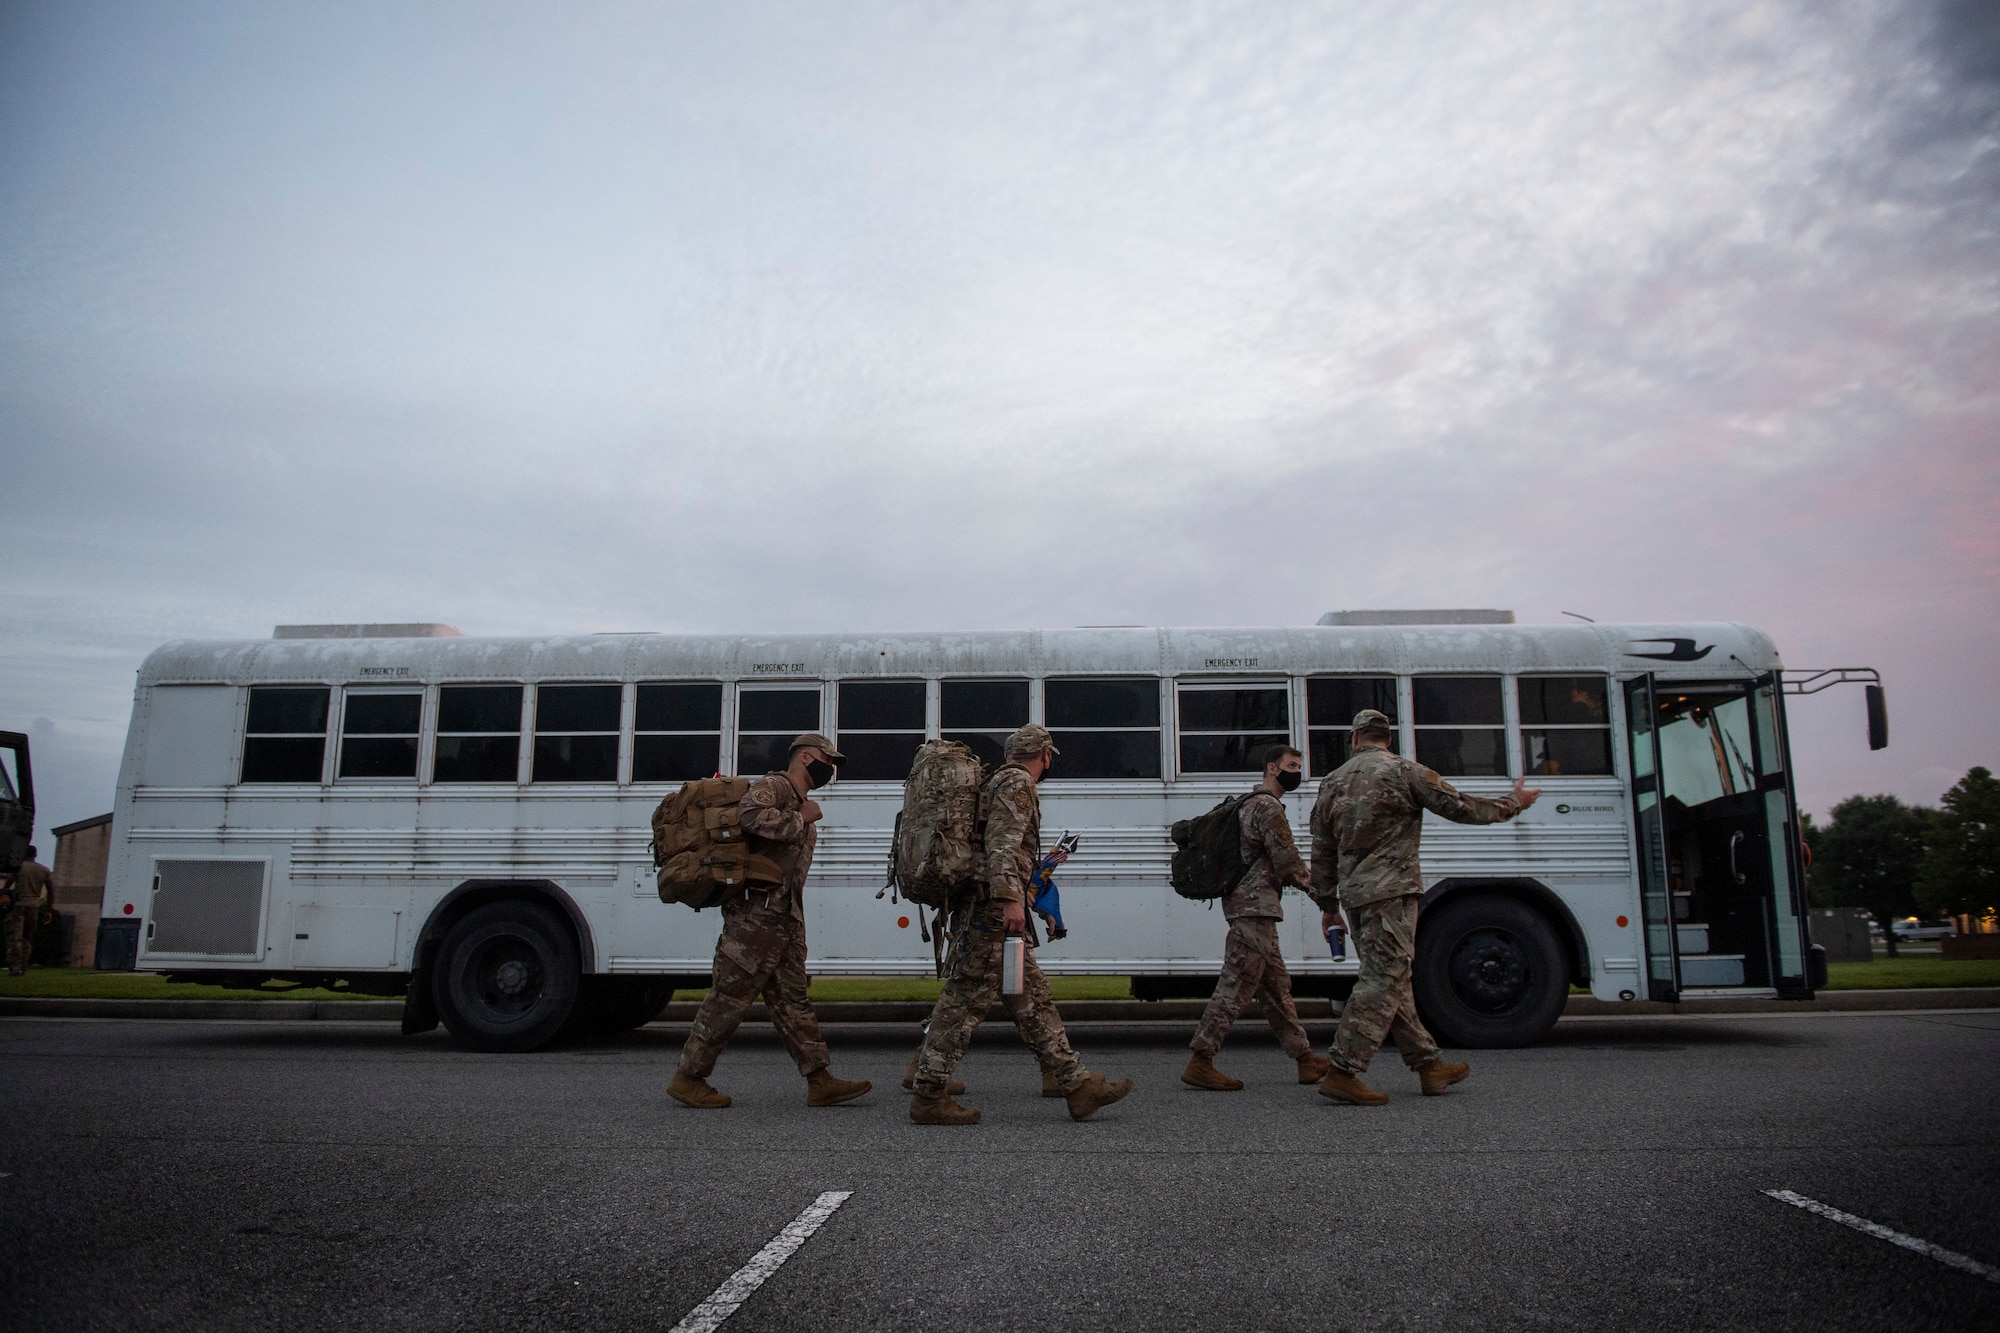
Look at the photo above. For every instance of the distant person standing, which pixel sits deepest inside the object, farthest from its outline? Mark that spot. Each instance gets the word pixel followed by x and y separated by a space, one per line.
pixel 980 928
pixel 1365 828
pixel 763 946
pixel 29 891
pixel 1252 962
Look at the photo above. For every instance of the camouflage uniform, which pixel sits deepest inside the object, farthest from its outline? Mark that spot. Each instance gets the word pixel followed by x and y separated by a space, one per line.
pixel 1252 963
pixel 30 888
pixel 763 944
pixel 1013 816
pixel 1365 828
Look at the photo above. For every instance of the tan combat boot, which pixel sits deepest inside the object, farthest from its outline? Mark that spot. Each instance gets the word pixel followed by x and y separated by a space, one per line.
pixel 1094 1094
pixel 1347 1088
pixel 1202 1073
pixel 1050 1088
pixel 1313 1067
pixel 1436 1075
pixel 823 1089
pixel 953 1086
pixel 941 1110
pixel 695 1092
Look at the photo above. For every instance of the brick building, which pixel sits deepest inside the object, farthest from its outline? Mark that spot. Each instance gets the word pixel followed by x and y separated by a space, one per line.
pixel 77 885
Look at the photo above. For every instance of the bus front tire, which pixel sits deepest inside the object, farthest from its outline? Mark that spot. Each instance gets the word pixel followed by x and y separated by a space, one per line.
pixel 1490 972
pixel 506 977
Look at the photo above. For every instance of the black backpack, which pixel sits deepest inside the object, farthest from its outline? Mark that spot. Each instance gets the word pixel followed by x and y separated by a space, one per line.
pixel 1208 853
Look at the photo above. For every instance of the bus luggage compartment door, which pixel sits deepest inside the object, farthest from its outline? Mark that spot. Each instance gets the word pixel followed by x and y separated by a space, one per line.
pixel 207 908
pixel 344 936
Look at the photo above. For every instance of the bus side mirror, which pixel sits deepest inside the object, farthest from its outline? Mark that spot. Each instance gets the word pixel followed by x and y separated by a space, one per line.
pixel 1878 718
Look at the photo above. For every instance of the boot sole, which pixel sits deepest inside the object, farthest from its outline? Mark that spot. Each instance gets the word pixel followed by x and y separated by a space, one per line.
pixel 701 1106
pixel 840 1099
pixel 1345 1100
pixel 1212 1087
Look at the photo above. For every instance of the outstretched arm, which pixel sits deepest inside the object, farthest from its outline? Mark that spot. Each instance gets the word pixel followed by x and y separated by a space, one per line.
pixel 1439 797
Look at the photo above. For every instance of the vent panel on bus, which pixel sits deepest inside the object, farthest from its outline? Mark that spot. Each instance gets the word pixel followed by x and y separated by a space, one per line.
pixel 206 907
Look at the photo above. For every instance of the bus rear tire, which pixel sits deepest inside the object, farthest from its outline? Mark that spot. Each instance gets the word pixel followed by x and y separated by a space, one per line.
pixel 506 977
pixel 1490 972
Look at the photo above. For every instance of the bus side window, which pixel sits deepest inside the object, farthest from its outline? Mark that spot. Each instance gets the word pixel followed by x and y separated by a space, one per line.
pixel 881 724
pixel 479 734
pixel 378 734
pixel 981 713
pixel 678 728
pixel 284 738
pixel 767 718
pixel 1105 728
pixel 1227 728
pixel 1461 725
pixel 1331 703
pixel 576 732
pixel 1565 726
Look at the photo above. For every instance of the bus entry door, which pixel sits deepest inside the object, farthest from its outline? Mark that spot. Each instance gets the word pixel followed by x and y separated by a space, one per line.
pixel 1719 876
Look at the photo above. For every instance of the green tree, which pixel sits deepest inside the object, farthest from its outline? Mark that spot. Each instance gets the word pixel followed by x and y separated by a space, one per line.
pixel 1960 874
pixel 1867 856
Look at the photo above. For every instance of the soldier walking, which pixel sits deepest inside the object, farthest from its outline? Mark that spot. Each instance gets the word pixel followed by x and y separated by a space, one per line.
pixel 28 891
pixel 1252 963
pixel 979 929
pixel 1365 828
pixel 763 944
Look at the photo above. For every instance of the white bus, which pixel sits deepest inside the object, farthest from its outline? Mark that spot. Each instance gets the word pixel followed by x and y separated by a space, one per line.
pixel 466 820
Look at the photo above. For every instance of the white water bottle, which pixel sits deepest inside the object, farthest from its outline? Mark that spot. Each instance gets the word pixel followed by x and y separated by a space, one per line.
pixel 1013 965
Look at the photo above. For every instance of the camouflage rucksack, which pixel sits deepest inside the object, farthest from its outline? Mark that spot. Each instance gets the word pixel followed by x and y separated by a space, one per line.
pixel 699 848
pixel 1208 853
pixel 937 847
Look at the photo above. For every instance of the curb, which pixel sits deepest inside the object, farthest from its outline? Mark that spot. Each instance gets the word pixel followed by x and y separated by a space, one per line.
pixel 1914 999
pixel 683 1011
pixel 1311 1008
pixel 268 1011
pixel 1073 1011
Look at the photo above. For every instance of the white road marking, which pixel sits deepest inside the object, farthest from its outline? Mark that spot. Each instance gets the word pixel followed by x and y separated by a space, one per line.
pixel 737 1288
pixel 1951 1258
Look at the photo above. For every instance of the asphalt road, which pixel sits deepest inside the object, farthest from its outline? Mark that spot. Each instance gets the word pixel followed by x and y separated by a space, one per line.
pixel 337 1176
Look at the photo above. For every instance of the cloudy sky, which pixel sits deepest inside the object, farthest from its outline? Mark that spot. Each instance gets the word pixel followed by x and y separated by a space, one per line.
pixel 891 316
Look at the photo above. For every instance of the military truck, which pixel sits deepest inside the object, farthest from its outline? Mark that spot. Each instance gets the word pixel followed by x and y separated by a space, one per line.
pixel 17 801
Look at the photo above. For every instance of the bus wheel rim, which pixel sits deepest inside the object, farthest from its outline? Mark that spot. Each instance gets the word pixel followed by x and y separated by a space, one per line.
pixel 1490 970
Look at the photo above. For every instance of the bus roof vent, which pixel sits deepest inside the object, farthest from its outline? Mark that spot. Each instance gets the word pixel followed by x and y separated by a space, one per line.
pixel 1471 617
pixel 409 631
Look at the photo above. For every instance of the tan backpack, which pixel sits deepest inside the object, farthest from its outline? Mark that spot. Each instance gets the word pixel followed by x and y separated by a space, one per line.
pixel 936 851
pixel 698 845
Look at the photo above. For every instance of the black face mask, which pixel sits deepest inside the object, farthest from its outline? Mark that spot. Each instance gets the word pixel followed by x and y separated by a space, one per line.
pixel 818 773
pixel 1289 780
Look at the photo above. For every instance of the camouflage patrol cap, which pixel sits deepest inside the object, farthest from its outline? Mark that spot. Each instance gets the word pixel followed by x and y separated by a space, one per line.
pixel 820 743
pixel 1031 740
pixel 1373 719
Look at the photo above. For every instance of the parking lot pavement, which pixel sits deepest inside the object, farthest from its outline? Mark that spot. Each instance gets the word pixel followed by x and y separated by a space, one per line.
pixel 335 1176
